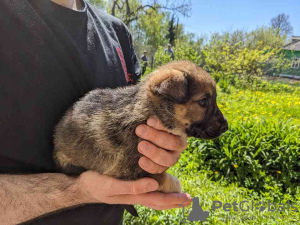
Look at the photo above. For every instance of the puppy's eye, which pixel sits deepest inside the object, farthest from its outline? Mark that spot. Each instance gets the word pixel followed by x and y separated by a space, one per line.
pixel 203 102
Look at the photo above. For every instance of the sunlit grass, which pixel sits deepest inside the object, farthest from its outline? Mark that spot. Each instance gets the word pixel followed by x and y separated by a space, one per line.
pixel 199 185
pixel 246 105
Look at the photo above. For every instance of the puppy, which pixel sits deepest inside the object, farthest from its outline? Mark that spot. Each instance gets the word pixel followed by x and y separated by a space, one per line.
pixel 98 132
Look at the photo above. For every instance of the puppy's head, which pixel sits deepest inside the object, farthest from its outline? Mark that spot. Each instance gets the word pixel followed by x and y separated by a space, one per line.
pixel 184 99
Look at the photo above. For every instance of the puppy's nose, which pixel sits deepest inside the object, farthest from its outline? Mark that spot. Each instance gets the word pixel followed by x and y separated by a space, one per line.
pixel 224 126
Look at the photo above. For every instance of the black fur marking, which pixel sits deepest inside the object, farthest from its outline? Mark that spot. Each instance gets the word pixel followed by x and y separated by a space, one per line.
pixel 74 171
pixel 165 111
pixel 173 91
pixel 131 210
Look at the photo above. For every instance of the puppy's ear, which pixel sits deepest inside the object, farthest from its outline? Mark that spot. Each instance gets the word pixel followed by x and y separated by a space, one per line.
pixel 170 84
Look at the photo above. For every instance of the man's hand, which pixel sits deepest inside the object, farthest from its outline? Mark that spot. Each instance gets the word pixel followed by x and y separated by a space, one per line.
pixel 95 187
pixel 157 159
pixel 24 197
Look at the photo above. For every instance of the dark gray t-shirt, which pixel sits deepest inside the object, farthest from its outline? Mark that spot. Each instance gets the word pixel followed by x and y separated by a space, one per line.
pixel 51 56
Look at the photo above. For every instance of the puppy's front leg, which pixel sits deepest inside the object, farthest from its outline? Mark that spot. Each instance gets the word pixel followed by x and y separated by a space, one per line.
pixel 167 183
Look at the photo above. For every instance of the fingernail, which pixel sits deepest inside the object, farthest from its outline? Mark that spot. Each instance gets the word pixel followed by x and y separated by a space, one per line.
pixel 152 122
pixel 141 130
pixel 144 146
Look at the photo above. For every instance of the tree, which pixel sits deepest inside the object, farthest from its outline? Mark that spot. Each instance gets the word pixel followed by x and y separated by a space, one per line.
pixel 282 25
pixel 130 10
pixel 172 27
pixel 147 19
pixel 264 37
pixel 256 39
pixel 150 29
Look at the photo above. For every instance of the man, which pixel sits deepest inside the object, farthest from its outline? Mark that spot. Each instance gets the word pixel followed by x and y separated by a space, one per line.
pixel 52 53
pixel 170 51
pixel 144 59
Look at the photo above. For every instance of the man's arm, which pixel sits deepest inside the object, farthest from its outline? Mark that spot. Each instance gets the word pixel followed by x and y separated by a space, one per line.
pixel 24 197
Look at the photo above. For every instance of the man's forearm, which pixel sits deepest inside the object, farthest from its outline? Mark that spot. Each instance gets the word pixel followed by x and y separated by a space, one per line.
pixel 23 197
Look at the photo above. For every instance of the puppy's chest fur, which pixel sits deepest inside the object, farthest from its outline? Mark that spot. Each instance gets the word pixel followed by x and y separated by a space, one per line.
pixel 98 132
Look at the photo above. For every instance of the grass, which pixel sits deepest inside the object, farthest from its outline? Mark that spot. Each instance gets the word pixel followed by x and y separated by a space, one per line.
pixel 257 159
pixel 261 150
pixel 246 105
pixel 199 185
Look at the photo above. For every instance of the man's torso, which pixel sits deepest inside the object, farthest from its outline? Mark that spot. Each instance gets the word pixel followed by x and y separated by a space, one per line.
pixel 50 57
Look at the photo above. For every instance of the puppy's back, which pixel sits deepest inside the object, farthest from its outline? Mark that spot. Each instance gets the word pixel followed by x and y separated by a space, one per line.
pixel 97 133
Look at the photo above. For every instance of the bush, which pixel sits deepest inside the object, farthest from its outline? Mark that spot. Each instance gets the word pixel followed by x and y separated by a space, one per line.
pixel 256 155
pixel 237 62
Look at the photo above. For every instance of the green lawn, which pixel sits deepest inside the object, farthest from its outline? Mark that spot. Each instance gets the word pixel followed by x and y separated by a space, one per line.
pixel 208 191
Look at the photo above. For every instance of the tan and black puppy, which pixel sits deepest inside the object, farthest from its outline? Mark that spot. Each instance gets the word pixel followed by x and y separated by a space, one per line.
pixel 98 132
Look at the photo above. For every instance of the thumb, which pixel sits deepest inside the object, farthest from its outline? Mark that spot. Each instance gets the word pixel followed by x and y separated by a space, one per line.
pixel 136 187
pixel 112 186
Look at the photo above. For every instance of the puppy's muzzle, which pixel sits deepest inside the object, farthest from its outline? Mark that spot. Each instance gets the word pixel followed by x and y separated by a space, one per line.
pixel 209 129
pixel 223 125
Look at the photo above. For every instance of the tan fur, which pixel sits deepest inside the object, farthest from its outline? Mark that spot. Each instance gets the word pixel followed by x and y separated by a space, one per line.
pixel 167 183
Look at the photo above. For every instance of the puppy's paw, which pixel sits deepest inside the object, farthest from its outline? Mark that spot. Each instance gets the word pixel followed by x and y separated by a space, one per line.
pixel 170 184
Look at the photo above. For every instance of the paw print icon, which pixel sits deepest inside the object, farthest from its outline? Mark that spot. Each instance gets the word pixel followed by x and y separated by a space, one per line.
pixel 261 208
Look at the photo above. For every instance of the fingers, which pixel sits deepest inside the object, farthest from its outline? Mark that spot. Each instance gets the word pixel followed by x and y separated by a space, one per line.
pixel 150 166
pixel 163 199
pixel 157 200
pixel 155 123
pixel 161 138
pixel 157 159
pixel 158 155
pixel 155 207
pixel 102 188
pixel 101 185
pixel 159 207
pixel 136 187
